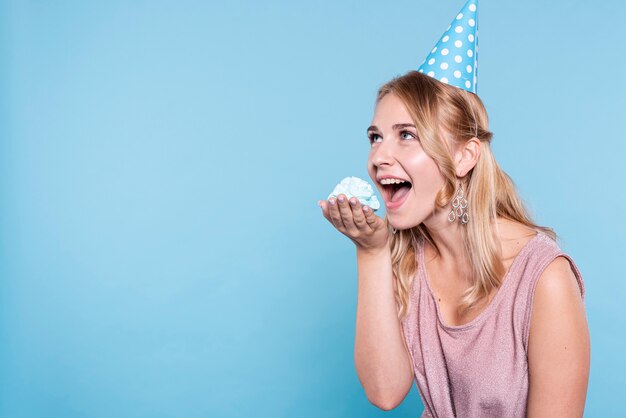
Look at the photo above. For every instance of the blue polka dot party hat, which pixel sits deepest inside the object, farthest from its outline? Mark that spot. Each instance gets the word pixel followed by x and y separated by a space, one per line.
pixel 454 58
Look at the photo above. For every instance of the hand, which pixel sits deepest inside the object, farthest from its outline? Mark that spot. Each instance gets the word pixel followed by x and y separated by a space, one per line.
pixel 363 227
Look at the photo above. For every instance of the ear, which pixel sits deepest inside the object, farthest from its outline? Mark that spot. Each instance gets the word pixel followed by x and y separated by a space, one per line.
pixel 466 156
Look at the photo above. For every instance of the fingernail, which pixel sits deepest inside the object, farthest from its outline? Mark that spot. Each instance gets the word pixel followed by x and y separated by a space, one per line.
pixel 341 199
pixel 353 201
pixel 366 208
pixel 331 201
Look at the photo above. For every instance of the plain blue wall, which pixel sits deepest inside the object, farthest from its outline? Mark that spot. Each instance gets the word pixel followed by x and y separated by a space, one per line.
pixel 162 253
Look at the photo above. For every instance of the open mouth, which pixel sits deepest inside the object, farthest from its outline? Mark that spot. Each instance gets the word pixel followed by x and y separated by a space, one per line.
pixel 396 192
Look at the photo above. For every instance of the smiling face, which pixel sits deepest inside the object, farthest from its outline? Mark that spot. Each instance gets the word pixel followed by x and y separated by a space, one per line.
pixel 396 152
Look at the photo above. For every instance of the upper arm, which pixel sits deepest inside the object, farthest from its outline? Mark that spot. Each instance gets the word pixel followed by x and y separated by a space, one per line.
pixel 558 345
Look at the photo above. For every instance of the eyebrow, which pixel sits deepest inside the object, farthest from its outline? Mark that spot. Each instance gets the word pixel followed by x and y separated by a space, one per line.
pixel 396 126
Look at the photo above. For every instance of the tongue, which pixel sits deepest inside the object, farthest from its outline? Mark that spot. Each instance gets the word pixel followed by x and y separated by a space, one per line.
pixel 400 193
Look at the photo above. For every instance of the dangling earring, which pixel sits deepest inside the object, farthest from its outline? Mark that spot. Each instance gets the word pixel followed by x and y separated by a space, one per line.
pixel 393 230
pixel 459 207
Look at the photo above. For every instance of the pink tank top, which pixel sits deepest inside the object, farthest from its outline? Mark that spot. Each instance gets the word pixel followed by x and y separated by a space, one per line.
pixel 479 369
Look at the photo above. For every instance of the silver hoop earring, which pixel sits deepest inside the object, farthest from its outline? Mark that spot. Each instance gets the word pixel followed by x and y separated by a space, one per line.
pixel 393 230
pixel 459 207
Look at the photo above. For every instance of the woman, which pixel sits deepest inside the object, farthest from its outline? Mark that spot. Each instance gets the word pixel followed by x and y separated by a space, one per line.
pixel 458 289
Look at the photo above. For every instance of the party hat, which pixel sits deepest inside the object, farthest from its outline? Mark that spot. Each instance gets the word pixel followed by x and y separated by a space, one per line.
pixel 454 58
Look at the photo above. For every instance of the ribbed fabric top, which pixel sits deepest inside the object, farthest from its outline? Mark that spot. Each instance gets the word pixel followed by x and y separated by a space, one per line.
pixel 479 369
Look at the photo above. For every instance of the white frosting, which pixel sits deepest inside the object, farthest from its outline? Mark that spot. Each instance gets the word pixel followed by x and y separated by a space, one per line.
pixel 362 190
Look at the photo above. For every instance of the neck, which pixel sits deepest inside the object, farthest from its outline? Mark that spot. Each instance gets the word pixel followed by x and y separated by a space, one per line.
pixel 448 237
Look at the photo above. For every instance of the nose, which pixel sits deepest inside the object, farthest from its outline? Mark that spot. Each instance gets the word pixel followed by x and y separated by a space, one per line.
pixel 382 154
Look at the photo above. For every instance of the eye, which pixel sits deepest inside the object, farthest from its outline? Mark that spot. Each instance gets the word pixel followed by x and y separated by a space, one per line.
pixel 372 137
pixel 407 132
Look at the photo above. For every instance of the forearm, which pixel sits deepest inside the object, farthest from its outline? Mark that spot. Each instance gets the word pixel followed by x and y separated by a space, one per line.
pixel 381 360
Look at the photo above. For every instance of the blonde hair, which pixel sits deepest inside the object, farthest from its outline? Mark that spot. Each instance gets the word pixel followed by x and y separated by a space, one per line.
pixel 490 192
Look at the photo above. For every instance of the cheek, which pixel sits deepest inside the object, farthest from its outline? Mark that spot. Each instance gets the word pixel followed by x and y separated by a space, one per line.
pixel 427 179
pixel 372 174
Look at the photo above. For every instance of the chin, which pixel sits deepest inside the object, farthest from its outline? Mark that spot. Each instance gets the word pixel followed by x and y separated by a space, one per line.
pixel 402 225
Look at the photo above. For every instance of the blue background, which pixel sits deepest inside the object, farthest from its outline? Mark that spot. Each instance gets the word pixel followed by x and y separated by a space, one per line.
pixel 161 250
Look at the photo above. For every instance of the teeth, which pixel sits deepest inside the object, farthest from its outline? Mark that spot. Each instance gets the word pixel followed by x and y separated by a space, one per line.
pixel 392 181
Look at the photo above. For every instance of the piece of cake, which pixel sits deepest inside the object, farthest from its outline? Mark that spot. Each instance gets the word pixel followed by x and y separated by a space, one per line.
pixel 362 190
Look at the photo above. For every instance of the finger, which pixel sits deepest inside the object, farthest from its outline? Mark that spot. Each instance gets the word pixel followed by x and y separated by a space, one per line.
pixel 326 210
pixel 370 217
pixel 357 214
pixel 346 213
pixel 335 216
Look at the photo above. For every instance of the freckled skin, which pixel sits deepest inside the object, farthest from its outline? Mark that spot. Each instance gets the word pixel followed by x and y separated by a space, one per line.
pixel 402 155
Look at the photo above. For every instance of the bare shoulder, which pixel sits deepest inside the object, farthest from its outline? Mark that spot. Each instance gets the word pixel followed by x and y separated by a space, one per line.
pixel 557 290
pixel 513 236
pixel 558 344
